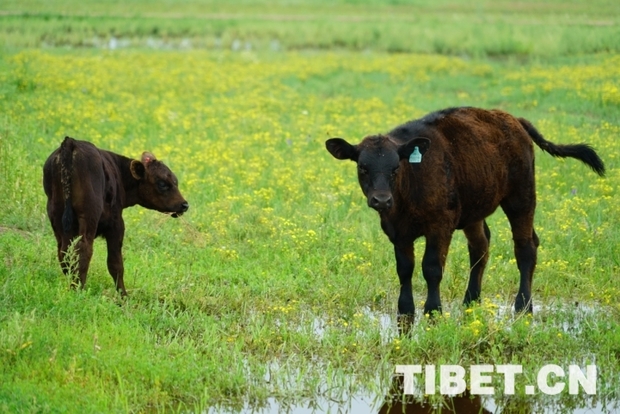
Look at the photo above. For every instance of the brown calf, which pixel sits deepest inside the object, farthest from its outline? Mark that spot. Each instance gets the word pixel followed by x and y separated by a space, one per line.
pixel 450 170
pixel 87 189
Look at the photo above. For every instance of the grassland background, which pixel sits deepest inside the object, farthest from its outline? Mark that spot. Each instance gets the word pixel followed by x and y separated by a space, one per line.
pixel 278 281
pixel 484 28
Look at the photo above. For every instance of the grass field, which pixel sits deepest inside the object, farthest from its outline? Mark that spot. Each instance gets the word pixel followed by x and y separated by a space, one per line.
pixel 483 28
pixel 278 283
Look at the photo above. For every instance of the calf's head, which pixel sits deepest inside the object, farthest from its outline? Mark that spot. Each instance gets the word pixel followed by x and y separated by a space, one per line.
pixel 157 186
pixel 378 159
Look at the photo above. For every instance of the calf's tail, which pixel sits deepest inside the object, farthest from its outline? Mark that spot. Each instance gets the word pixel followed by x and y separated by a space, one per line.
pixel 66 172
pixel 582 152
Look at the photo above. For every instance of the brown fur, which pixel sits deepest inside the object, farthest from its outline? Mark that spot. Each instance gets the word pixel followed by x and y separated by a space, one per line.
pixel 87 189
pixel 473 160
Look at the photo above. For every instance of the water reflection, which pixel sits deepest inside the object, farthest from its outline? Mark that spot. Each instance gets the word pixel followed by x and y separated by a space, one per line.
pixel 396 402
pixel 460 404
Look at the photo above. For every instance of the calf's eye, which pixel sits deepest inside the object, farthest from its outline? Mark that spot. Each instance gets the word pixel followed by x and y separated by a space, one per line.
pixel 162 185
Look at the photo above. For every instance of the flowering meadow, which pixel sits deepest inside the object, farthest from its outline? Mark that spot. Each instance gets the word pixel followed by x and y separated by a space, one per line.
pixel 278 282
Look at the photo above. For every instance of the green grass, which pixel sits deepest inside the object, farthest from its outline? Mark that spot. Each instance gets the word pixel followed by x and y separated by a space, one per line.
pixel 278 280
pixel 500 28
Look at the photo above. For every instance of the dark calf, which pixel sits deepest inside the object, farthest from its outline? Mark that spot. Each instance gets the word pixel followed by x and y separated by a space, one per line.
pixel 87 189
pixel 450 170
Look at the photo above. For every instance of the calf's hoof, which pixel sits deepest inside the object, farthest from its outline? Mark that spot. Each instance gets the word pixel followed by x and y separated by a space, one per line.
pixel 523 306
pixel 405 323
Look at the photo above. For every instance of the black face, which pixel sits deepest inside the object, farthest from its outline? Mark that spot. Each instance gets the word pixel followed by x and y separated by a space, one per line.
pixel 376 171
pixel 378 160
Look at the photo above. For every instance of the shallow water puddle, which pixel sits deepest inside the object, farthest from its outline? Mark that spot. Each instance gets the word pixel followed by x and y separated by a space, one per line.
pixel 457 405
pixel 382 401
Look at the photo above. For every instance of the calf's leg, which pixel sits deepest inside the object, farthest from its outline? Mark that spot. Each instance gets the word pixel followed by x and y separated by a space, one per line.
pixel 433 264
pixel 404 268
pixel 84 247
pixel 525 248
pixel 478 239
pixel 62 258
pixel 62 240
pixel 114 240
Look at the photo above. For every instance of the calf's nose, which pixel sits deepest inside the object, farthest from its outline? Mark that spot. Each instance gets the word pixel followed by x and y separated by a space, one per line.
pixel 380 201
pixel 184 207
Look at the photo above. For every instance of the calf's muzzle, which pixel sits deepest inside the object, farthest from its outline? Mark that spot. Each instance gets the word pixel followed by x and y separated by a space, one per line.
pixel 380 201
pixel 183 208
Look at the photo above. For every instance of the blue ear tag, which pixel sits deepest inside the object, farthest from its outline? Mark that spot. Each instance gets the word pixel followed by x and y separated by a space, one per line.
pixel 415 157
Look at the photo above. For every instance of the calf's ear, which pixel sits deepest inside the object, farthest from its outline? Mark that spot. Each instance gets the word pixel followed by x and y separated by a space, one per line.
pixel 405 150
pixel 138 170
pixel 341 149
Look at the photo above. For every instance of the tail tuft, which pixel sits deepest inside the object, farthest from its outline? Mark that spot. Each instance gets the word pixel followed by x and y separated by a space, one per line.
pixel 583 152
